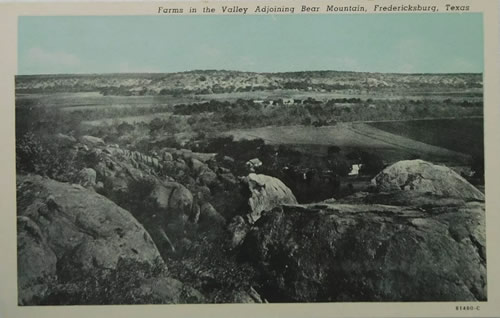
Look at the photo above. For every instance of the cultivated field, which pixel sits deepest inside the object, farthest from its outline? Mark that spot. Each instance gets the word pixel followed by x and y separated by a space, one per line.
pixel 129 119
pixel 472 95
pixel 391 146
pixel 462 135
pixel 76 100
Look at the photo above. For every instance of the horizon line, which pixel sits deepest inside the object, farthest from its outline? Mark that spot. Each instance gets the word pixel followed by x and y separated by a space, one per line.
pixel 242 71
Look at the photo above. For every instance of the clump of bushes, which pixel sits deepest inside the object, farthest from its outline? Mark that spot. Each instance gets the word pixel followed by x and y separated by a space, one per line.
pixel 210 268
pixel 34 155
pixel 105 286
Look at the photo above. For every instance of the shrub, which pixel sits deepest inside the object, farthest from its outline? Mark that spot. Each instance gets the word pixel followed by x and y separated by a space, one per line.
pixel 104 286
pixel 43 157
pixel 371 163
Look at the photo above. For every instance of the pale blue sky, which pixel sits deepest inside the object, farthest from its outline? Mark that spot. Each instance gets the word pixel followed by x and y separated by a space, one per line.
pixel 415 43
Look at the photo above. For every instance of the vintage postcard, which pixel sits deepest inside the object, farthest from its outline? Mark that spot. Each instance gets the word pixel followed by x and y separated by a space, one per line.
pixel 284 159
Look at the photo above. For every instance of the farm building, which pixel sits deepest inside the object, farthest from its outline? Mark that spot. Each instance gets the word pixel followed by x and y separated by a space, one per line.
pixel 263 102
pixel 355 169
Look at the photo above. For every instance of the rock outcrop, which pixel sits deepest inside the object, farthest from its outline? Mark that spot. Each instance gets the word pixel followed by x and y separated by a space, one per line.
pixel 260 193
pixel 345 252
pixel 174 206
pixel 209 217
pixel 422 245
pixel 417 235
pixel 425 177
pixel 66 229
pixel 266 193
pixel 420 238
pixel 63 140
pixel 175 199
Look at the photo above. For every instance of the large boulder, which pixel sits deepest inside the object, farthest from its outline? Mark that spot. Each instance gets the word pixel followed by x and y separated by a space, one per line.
pixel 425 177
pixel 63 140
pixel 197 166
pixel 209 217
pixel 75 228
pixel 265 194
pixel 174 199
pixel 174 206
pixel 370 252
pixel 116 175
pixel 207 177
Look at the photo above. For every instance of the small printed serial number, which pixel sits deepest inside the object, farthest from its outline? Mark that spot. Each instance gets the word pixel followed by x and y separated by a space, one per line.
pixel 467 308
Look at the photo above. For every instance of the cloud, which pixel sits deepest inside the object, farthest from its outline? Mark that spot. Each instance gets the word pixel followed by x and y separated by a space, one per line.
pixel 48 59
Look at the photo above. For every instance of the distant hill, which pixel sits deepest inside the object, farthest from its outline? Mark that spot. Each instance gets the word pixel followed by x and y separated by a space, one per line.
pixel 215 81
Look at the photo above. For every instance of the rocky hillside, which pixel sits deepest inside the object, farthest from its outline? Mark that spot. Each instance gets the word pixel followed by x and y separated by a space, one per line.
pixel 66 232
pixel 176 226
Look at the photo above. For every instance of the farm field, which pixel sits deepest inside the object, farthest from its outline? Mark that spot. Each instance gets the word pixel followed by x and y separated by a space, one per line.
pixel 391 146
pixel 130 119
pixel 471 95
pixel 461 135
pixel 96 99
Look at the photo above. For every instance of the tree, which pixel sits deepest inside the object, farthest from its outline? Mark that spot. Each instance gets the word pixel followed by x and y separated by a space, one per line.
pixel 371 163
pixel 124 128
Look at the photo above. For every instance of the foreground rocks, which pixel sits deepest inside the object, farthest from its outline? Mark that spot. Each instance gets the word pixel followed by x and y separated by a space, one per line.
pixel 66 230
pixel 342 252
pixel 422 238
pixel 418 235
